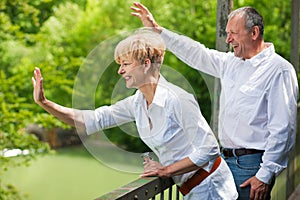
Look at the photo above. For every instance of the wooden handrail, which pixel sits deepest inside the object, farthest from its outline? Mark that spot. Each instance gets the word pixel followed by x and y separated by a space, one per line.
pixel 142 189
pixel 148 188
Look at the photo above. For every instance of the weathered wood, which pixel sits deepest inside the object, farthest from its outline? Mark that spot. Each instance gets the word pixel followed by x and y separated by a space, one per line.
pixel 143 188
pixel 223 10
pixel 295 34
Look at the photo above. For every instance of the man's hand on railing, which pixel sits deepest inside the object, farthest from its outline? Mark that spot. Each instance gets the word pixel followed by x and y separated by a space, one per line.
pixel 153 168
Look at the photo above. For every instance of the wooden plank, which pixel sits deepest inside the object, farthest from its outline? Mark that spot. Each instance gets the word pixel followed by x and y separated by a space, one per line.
pixel 143 188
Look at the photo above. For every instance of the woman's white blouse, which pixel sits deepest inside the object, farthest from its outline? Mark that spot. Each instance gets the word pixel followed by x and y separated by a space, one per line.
pixel 178 129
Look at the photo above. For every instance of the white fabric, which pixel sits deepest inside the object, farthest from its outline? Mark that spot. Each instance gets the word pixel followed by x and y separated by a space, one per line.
pixel 258 101
pixel 215 187
pixel 179 131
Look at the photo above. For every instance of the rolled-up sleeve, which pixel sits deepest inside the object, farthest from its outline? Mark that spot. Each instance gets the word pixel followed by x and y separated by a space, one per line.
pixel 108 116
pixel 204 143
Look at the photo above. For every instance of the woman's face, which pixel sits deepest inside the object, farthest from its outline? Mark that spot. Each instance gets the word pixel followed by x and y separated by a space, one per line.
pixel 133 72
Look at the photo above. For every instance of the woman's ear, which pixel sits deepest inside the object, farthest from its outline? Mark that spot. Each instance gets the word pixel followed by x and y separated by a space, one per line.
pixel 147 61
pixel 147 65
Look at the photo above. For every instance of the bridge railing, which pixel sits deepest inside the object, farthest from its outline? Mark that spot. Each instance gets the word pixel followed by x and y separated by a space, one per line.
pixel 289 179
pixel 158 188
pixel 145 188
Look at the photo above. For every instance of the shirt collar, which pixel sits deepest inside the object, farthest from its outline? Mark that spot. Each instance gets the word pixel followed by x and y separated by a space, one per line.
pixel 263 55
pixel 160 97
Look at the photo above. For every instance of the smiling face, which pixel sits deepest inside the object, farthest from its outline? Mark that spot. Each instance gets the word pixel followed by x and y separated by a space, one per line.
pixel 132 71
pixel 239 37
pixel 140 57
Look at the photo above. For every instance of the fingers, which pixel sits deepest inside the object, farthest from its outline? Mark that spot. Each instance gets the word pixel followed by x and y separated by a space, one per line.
pixel 139 7
pixel 33 81
pixel 259 190
pixel 145 16
pixel 258 195
pixel 139 10
pixel 37 76
pixel 146 160
pixel 148 174
pixel 37 73
pixel 246 183
pixel 37 81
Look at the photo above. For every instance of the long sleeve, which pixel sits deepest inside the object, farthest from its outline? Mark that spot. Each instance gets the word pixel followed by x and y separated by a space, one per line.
pixel 282 108
pixel 199 133
pixel 109 116
pixel 194 53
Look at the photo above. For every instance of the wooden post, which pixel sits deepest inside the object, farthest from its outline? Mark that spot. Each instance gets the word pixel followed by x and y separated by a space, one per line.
pixel 294 59
pixel 224 7
pixel 295 34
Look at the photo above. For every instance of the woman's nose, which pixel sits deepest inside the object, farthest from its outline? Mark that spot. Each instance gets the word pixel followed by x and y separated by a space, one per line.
pixel 121 70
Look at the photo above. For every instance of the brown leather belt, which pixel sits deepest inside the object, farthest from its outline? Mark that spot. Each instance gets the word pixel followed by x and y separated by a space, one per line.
pixel 198 177
pixel 240 152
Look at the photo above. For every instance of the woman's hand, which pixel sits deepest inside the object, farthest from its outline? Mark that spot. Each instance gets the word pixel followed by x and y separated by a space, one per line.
pixel 153 168
pixel 37 82
pixel 145 15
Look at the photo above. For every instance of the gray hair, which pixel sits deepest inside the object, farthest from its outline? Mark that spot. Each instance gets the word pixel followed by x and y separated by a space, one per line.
pixel 252 18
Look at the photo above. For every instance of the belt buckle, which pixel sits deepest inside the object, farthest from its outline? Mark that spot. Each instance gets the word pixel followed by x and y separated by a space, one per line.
pixel 228 152
pixel 234 153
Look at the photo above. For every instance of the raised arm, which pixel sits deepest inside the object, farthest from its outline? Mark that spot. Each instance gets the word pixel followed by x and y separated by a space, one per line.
pixel 69 116
pixel 145 15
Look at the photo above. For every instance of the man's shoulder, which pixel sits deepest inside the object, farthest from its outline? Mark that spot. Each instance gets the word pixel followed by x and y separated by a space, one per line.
pixel 281 63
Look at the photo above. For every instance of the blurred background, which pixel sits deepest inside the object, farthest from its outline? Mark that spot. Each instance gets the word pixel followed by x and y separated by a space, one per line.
pixel 42 158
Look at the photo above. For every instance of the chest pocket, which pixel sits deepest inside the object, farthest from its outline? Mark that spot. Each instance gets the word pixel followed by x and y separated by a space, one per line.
pixel 227 92
pixel 248 99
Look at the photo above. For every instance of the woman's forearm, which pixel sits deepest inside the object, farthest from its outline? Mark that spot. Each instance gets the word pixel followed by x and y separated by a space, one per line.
pixel 70 116
pixel 181 167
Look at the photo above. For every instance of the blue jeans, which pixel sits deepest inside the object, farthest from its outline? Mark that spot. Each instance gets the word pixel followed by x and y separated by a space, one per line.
pixel 243 168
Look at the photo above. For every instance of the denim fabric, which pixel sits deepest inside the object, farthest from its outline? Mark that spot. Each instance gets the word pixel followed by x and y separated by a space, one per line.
pixel 243 168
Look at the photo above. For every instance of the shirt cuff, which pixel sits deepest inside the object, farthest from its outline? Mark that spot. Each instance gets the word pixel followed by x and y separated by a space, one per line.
pixel 166 35
pixel 264 175
pixel 194 157
pixel 89 117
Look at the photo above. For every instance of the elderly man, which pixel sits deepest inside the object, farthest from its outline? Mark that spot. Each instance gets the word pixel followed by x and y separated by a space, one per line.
pixel 258 99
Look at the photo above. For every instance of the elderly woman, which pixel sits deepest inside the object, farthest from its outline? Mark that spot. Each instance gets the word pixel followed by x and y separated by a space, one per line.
pixel 168 120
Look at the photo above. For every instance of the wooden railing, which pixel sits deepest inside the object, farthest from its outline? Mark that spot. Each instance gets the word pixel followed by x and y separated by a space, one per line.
pixel 145 188
pixel 152 187
pixel 289 179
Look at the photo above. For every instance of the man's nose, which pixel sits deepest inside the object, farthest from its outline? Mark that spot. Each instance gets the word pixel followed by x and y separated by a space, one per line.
pixel 228 38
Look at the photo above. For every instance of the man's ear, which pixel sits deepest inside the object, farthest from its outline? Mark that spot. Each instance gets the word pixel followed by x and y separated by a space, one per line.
pixel 255 32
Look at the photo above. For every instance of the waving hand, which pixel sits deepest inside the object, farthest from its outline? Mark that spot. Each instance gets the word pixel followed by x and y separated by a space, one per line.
pixel 145 15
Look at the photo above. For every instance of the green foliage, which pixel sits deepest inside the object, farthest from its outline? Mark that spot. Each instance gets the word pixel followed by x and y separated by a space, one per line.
pixel 277 20
pixel 15 114
pixel 9 192
pixel 57 36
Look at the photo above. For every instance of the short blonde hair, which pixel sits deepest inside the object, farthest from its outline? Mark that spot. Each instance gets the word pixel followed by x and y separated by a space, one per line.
pixel 143 44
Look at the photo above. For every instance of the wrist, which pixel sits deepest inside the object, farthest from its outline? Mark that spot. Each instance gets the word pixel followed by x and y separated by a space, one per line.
pixel 264 175
pixel 167 171
pixel 158 28
pixel 43 102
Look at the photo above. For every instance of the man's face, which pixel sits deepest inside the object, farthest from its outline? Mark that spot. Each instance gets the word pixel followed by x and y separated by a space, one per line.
pixel 239 37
